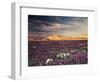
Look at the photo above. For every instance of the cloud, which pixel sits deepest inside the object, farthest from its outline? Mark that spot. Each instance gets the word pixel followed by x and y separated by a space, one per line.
pixel 57 25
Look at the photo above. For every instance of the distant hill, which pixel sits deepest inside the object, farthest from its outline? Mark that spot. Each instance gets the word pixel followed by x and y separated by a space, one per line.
pixel 57 37
pixel 54 37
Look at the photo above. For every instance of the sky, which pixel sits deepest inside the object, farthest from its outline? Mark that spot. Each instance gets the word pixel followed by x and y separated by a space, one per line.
pixel 58 25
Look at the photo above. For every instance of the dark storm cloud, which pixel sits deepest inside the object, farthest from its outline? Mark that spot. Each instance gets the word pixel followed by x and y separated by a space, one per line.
pixel 57 24
pixel 38 26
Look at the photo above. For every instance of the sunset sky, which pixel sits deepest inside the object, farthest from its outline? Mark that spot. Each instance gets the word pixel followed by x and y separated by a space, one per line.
pixel 44 26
